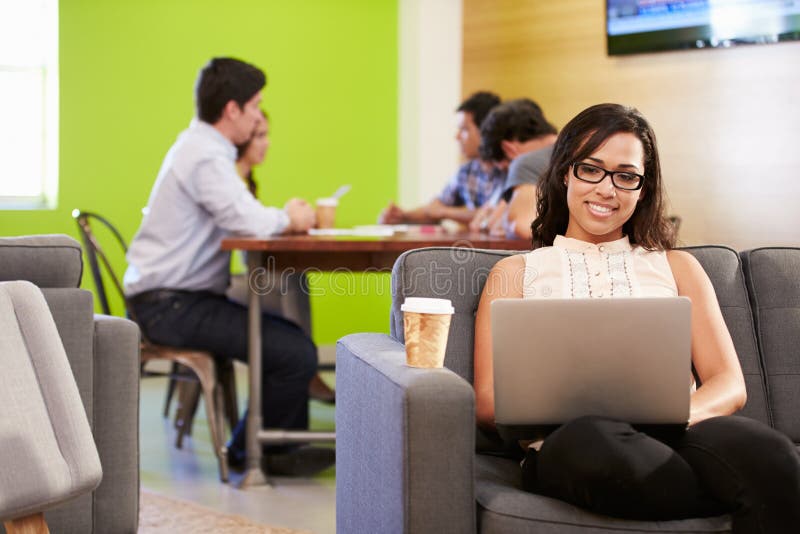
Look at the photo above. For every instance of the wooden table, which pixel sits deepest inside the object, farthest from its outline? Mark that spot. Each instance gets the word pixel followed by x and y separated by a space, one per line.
pixel 324 253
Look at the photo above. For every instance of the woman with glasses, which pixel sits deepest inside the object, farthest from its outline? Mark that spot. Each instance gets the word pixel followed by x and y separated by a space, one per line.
pixel 601 232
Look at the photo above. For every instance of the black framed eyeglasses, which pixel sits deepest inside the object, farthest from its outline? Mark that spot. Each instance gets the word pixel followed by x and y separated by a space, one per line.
pixel 629 181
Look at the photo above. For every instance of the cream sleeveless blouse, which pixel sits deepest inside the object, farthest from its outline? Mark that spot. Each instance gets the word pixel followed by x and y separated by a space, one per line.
pixel 576 269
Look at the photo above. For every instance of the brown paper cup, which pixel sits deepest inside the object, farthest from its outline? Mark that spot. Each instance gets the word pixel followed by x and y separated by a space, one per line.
pixel 326 212
pixel 426 338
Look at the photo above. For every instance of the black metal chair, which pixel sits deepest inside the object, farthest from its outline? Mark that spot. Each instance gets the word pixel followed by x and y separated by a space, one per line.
pixel 190 368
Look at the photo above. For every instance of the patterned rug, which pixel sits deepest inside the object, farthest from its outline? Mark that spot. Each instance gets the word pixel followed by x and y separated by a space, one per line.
pixel 165 515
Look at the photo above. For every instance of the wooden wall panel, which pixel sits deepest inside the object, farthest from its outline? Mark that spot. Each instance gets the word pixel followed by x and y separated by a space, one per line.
pixel 727 120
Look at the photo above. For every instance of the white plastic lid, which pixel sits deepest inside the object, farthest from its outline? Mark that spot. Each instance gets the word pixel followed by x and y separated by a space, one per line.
pixel 427 305
pixel 327 201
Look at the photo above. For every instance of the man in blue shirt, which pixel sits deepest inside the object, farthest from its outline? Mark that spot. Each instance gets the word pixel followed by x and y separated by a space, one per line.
pixel 177 274
pixel 474 185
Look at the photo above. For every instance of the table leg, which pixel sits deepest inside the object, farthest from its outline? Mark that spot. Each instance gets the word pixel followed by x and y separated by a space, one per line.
pixel 254 476
pixel 256 436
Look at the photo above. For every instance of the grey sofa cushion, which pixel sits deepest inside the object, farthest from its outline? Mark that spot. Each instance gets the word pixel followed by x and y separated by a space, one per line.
pixel 774 285
pixel 724 268
pixel 504 507
pixel 33 258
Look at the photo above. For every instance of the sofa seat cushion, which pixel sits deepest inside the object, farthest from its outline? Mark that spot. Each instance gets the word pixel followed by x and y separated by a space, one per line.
pixel 504 507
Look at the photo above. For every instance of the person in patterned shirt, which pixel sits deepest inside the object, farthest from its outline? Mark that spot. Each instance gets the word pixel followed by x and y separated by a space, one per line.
pixel 474 185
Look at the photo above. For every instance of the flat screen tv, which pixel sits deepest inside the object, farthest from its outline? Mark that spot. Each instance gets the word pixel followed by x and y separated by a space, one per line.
pixel 634 26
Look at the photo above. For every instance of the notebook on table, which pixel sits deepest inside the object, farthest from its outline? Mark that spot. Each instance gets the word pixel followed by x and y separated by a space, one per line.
pixel 558 359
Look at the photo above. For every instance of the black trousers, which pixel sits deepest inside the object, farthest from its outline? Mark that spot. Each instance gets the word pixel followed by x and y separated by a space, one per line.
pixel 207 321
pixel 728 464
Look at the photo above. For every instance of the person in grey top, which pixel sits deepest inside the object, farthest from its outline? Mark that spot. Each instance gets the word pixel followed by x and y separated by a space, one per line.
pixel 526 169
pixel 177 274
pixel 517 136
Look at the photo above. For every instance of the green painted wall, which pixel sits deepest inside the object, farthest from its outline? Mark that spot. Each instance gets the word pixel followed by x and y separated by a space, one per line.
pixel 127 73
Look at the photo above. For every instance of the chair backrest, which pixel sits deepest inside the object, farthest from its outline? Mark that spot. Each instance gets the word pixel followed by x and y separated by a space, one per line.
pixel 47 452
pixel 96 256
pixel 460 273
pixel 774 289
pixel 49 261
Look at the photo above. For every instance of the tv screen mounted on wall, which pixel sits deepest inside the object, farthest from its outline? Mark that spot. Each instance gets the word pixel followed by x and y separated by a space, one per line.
pixel 634 26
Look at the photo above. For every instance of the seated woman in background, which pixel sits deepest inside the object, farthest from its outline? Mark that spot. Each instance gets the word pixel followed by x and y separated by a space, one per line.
pixel 602 200
pixel 253 152
pixel 294 304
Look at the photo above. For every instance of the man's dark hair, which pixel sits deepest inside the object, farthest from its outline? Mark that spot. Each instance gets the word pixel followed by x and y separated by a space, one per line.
pixel 224 79
pixel 516 120
pixel 479 105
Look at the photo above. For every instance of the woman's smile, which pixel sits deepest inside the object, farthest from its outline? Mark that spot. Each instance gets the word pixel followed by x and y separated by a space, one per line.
pixel 600 210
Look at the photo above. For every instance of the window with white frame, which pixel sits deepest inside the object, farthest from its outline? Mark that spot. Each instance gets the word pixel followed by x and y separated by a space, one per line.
pixel 28 103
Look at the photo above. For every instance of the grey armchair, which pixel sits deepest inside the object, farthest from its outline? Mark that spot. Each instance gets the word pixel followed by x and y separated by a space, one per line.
pixel 409 456
pixel 103 355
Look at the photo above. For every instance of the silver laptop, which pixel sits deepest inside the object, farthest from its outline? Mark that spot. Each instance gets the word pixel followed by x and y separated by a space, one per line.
pixel 558 359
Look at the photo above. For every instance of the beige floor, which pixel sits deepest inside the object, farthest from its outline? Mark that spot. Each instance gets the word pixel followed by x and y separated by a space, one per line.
pixel 191 473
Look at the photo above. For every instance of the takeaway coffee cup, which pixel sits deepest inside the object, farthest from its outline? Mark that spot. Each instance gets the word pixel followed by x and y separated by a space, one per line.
pixel 426 324
pixel 326 212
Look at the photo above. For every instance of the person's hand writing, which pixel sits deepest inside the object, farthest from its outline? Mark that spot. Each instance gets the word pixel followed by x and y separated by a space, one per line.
pixel 301 216
pixel 393 214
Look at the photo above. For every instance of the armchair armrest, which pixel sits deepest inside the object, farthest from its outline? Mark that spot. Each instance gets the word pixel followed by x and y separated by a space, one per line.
pixel 116 423
pixel 405 442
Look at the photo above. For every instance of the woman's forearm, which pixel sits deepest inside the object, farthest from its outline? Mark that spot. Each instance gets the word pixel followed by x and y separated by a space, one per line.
pixel 722 394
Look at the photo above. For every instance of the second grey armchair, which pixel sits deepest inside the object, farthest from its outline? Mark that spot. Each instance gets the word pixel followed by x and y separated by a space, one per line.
pixel 103 355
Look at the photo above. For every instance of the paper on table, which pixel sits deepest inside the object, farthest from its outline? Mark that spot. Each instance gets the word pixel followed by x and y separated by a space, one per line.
pixel 370 231
pixel 396 228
